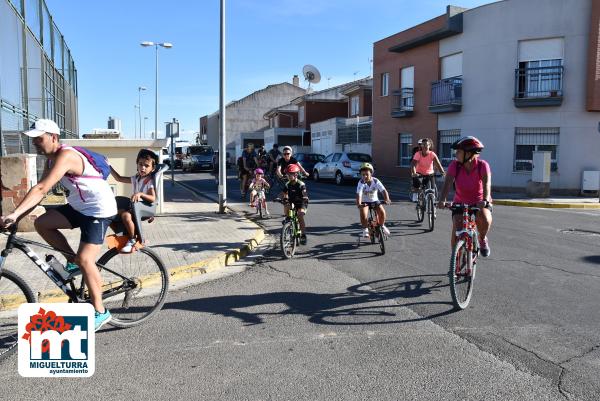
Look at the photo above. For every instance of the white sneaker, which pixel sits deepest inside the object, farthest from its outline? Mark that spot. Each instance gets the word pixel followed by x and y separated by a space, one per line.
pixel 128 248
pixel 385 230
pixel 365 233
pixel 415 196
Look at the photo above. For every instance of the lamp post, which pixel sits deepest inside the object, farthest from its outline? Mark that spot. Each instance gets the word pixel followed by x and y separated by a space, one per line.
pixel 135 119
pixel 222 135
pixel 145 118
pixel 140 89
pixel 166 45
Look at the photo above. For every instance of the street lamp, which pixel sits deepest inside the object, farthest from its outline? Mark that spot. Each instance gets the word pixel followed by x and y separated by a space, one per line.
pixel 145 118
pixel 135 118
pixel 140 89
pixel 166 45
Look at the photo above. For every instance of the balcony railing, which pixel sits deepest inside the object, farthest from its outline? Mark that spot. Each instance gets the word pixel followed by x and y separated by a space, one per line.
pixel 403 103
pixel 446 95
pixel 539 86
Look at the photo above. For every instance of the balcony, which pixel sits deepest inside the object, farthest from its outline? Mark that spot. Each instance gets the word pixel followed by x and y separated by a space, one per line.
pixel 446 95
pixel 538 86
pixel 403 103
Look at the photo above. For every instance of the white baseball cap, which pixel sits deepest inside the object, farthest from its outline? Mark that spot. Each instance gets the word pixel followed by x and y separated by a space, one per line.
pixel 42 126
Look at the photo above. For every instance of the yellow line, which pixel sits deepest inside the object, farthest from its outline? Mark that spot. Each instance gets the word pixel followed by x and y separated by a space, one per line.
pixel 548 205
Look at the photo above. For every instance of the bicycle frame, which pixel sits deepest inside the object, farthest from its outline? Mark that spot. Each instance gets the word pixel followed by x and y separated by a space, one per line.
pixel 21 244
pixel 469 227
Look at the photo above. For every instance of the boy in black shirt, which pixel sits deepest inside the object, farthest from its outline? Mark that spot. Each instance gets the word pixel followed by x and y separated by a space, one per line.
pixel 295 192
pixel 286 161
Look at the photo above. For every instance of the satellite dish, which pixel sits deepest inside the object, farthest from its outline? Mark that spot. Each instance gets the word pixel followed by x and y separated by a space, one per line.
pixel 311 74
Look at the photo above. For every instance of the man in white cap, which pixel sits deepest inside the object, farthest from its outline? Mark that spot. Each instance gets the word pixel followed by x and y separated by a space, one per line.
pixel 91 207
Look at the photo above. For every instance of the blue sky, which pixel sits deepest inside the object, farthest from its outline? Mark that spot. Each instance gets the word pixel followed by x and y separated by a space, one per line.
pixel 268 41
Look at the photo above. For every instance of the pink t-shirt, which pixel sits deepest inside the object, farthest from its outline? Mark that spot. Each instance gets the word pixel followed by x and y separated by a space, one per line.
pixel 469 185
pixel 424 163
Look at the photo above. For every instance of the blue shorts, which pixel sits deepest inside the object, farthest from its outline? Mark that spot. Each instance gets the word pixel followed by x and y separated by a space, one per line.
pixel 93 229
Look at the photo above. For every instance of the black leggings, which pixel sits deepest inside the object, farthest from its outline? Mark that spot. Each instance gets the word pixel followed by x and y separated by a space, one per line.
pixel 424 180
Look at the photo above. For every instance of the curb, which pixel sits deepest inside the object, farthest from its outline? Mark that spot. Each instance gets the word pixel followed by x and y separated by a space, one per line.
pixel 212 264
pixel 547 205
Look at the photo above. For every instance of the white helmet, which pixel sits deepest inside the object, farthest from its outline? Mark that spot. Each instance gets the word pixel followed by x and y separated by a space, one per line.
pixel 287 148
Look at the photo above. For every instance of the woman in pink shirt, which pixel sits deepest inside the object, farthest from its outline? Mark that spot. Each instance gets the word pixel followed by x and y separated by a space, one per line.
pixel 472 180
pixel 424 164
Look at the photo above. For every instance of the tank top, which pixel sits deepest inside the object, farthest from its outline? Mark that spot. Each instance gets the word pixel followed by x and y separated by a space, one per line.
pixel 89 193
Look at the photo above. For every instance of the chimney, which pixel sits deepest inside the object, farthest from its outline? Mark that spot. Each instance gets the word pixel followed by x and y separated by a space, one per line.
pixel 296 80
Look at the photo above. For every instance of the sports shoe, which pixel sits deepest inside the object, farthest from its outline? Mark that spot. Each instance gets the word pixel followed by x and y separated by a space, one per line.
pixel 101 319
pixel 415 197
pixel 385 230
pixel 72 269
pixel 303 239
pixel 365 233
pixel 484 248
pixel 128 248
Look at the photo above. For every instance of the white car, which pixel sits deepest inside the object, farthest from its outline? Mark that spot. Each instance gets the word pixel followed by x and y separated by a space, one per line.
pixel 341 166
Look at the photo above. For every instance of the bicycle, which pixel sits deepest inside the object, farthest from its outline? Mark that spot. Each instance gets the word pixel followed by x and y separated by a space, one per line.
pixel 426 199
pixel 290 232
pixel 134 285
pixel 376 232
pixel 463 262
pixel 260 201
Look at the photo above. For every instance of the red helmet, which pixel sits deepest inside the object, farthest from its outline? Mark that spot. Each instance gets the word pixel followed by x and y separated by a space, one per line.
pixel 293 168
pixel 468 144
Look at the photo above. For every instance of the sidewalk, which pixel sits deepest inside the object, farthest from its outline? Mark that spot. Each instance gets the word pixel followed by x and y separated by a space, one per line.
pixel 398 187
pixel 190 237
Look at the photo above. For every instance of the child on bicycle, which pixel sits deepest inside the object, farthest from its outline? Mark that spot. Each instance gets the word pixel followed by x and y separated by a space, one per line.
pixel 367 194
pixel 472 179
pixel 258 183
pixel 423 166
pixel 143 191
pixel 297 196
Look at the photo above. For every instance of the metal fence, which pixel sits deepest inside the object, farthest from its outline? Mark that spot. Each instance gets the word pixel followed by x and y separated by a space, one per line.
pixel 446 91
pixel 539 82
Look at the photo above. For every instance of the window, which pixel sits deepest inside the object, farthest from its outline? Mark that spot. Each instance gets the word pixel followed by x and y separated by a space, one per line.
pixel 528 140
pixel 354 106
pixel 385 79
pixel 451 66
pixel 336 157
pixel 404 150
pixel 540 67
pixel 301 114
pixel 328 158
pixel 445 140
pixel 32 14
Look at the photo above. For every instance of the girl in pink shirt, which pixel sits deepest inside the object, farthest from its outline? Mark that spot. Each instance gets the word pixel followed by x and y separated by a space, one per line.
pixel 424 164
pixel 472 179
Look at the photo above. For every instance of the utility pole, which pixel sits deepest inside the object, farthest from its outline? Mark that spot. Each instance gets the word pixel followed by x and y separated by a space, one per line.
pixel 222 133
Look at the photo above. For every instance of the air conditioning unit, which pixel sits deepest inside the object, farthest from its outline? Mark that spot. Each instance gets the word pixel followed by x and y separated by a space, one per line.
pixel 590 183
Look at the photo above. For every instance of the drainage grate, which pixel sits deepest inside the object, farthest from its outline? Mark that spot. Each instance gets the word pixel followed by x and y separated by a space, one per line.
pixel 577 231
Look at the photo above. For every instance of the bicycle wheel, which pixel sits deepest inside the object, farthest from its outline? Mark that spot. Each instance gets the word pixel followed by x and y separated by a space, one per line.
pixel 259 207
pixel 461 275
pixel 381 235
pixel 420 207
pixel 135 285
pixel 288 240
pixel 14 291
pixel 430 211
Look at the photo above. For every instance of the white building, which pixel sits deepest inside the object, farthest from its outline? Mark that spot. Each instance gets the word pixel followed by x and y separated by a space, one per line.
pixel 524 66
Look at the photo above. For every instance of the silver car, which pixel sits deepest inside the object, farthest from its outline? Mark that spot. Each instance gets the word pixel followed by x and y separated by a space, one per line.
pixel 341 166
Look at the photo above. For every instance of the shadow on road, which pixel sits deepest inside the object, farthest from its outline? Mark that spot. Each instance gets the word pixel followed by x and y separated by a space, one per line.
pixel 355 306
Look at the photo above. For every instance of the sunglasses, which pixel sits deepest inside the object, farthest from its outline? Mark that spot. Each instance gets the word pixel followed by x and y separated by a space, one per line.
pixel 287 154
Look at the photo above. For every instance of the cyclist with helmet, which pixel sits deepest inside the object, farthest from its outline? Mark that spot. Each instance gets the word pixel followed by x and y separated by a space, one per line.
pixel 274 155
pixel 424 164
pixel 295 193
pixel 288 160
pixel 472 179
pixel 258 183
pixel 248 163
pixel 367 194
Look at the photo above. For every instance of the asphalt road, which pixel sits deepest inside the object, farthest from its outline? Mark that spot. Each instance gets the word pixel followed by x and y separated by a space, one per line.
pixel 341 322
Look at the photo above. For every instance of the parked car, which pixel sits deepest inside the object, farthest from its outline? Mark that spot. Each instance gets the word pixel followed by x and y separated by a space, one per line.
pixel 308 160
pixel 341 166
pixel 216 160
pixel 198 157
